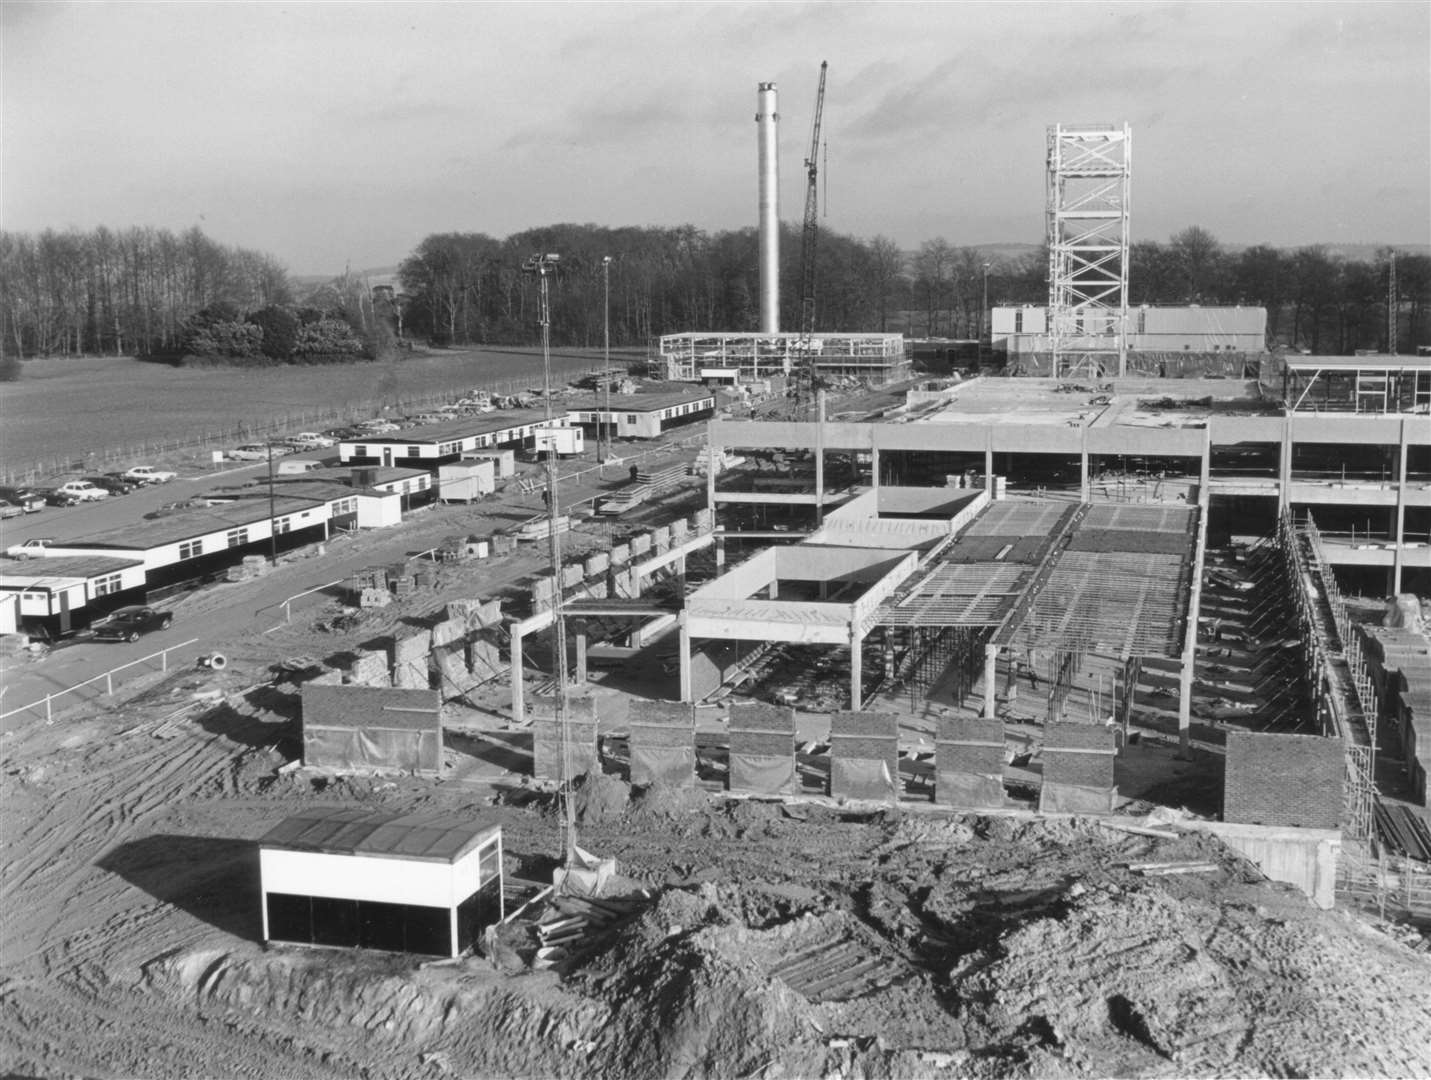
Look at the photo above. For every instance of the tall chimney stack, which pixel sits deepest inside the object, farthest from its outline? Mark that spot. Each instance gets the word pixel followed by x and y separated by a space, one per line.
pixel 768 121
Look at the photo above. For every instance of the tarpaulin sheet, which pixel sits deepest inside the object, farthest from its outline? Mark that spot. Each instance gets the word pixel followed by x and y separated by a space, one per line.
pixel 546 758
pixel 762 775
pixel 670 765
pixel 372 748
pixel 972 790
pixel 861 778
pixel 1058 798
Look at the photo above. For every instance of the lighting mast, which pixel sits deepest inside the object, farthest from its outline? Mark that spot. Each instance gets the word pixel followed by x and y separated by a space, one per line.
pixel 544 266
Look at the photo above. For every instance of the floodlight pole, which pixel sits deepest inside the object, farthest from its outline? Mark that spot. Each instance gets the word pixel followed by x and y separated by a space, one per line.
pixel 272 515
pixel 983 311
pixel 544 266
pixel 603 448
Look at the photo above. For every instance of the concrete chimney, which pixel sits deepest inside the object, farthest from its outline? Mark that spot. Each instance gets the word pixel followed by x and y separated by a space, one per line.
pixel 768 132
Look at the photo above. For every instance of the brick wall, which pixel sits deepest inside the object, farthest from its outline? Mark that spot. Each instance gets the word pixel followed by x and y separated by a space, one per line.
pixel 1288 780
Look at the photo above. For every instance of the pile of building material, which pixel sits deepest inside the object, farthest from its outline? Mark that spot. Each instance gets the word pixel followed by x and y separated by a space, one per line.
pixel 572 924
pixel 253 566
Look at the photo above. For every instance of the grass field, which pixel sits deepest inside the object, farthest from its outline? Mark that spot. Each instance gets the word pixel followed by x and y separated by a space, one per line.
pixel 61 410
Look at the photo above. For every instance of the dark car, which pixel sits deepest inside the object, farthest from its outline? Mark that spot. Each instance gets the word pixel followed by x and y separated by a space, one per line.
pixel 128 623
pixel 113 483
pixel 26 499
pixel 56 497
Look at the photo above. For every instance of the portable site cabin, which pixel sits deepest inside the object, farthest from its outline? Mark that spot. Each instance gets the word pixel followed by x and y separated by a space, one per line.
pixel 466 481
pixel 415 883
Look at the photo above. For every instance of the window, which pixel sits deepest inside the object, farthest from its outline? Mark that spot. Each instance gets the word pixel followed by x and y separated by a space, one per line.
pixel 106 585
pixel 282 525
pixel 237 537
pixel 631 418
pixel 360 451
pixel 1018 322
pixel 191 549
pixel 414 451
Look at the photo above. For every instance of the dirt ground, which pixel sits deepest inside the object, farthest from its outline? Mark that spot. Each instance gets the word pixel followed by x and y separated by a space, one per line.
pixel 986 946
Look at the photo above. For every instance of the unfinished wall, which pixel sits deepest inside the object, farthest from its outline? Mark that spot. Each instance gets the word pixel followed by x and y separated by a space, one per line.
pixel 1078 762
pixel 864 755
pixel 969 763
pixel 762 749
pixel 663 743
pixel 580 737
pixel 1288 780
pixel 361 728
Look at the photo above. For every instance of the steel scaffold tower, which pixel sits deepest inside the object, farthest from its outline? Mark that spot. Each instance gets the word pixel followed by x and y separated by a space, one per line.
pixel 1089 171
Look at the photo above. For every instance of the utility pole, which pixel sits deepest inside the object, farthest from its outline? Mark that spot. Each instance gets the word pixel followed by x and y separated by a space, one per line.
pixel 1393 305
pixel 544 266
pixel 603 448
pixel 983 310
pixel 272 515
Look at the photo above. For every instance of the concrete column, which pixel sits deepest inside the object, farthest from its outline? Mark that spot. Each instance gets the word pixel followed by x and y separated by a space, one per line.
pixel 1284 466
pixel 991 677
pixel 1399 531
pixel 581 657
pixel 681 575
pixel 888 653
pixel 719 550
pixel 519 702
pixel 819 458
pixel 857 652
pixel 874 467
pixel 685 656
pixel 1085 484
pixel 989 465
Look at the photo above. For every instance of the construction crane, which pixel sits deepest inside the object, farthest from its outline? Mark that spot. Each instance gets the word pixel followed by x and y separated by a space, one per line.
pixel 805 377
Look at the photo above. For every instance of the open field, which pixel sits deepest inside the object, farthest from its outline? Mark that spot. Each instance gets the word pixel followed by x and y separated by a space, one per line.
pixel 64 409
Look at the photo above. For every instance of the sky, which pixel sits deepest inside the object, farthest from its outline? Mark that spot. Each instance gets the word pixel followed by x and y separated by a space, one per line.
pixel 335 135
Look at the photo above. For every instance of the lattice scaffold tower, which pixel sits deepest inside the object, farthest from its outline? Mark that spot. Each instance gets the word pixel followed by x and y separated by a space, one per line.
pixel 1089 172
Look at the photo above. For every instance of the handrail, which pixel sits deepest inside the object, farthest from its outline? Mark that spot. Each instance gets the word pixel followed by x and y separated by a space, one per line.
pixel 107 676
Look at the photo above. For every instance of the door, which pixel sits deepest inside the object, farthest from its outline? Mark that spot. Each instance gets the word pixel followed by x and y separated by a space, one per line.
pixel 387 457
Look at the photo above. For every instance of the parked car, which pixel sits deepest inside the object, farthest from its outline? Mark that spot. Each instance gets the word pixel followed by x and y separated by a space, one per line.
pixel 83 490
pixel 128 623
pixel 148 474
pixel 249 452
pixel 31 502
pixel 310 440
pixel 56 497
pixel 378 426
pixel 30 549
pixel 115 483
pixel 428 418
pixel 9 510
pixel 340 433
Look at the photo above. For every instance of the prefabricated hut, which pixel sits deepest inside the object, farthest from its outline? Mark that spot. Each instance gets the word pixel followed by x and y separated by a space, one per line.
pixel 415 883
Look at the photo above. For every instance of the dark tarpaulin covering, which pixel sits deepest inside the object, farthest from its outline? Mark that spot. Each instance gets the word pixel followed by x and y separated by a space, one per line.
pixel 1075 799
pixel 971 790
pixel 436 837
pixel 761 774
pixel 547 761
pixel 372 748
pixel 674 766
pixel 861 778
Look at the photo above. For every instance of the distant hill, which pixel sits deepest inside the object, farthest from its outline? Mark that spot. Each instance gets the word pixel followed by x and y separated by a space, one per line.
pixel 383 275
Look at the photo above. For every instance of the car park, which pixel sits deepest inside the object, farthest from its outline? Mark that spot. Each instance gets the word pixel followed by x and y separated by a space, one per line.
pixel 83 490
pixel 9 510
pixel 310 440
pixel 130 623
pixel 148 474
pixel 31 502
pixel 115 483
pixel 30 549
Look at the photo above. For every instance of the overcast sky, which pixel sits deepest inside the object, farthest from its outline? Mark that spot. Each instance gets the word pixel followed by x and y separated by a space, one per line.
pixel 329 133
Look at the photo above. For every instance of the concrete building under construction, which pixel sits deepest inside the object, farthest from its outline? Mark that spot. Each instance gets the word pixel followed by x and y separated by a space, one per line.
pixel 733 358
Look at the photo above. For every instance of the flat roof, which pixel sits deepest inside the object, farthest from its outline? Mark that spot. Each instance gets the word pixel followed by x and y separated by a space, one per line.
pixel 641 402
pixel 432 837
pixel 62 569
pixel 462 427
pixel 187 524
pixel 1359 363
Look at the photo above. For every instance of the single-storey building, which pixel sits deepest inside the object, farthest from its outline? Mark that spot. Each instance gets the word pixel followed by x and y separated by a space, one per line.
pixel 642 416
pixel 1190 328
pixel 59 594
pixel 414 883
pixel 431 445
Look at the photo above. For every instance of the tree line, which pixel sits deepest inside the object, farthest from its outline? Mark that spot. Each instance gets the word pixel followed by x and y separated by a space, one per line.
pixel 153 292
pixel 469 288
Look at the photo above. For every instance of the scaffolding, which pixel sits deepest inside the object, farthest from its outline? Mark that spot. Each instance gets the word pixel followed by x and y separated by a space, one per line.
pixel 697 357
pixel 1088 183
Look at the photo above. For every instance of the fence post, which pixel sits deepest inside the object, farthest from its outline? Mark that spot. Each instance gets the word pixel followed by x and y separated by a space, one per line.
pixel 49 714
pixel 109 684
pixel 164 660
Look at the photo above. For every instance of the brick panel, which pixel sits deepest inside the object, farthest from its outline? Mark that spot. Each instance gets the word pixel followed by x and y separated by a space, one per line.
pixel 1287 780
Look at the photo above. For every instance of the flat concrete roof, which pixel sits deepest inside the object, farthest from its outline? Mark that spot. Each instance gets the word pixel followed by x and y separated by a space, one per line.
pixel 441 838
pixel 33 572
pixel 638 402
pixel 1313 364
pixel 463 427
pixel 187 524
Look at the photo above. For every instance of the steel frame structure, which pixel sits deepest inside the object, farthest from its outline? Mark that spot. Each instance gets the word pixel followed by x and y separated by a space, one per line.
pixel 1088 201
